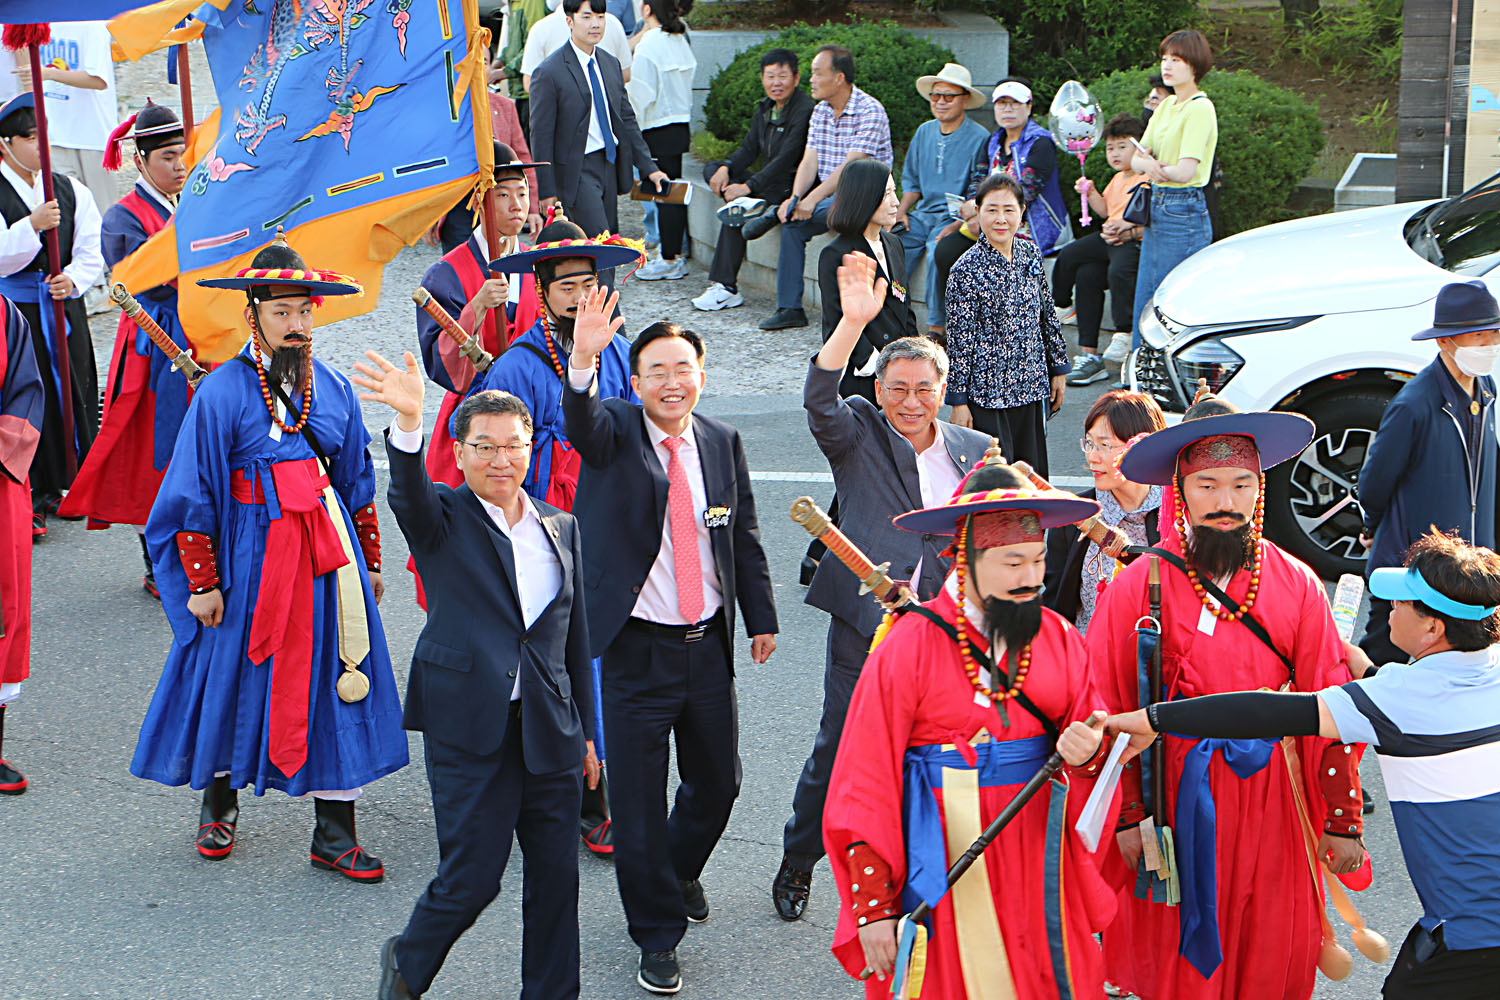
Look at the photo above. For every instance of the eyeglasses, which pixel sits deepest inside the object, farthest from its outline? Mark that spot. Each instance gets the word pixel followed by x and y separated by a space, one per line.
pixel 1089 447
pixel 939 97
pixel 487 451
pixel 924 393
pixel 658 379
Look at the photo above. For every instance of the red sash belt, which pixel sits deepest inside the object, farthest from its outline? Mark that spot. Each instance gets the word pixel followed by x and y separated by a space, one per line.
pixel 300 544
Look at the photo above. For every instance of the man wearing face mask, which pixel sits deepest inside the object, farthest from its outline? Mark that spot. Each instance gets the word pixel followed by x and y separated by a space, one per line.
pixel 957 707
pixel 1440 428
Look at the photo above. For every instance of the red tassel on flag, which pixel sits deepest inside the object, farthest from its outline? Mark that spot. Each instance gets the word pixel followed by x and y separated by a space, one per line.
pixel 19 36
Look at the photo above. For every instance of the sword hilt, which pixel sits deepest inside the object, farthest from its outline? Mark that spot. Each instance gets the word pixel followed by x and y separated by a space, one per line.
pixel 181 358
pixel 468 344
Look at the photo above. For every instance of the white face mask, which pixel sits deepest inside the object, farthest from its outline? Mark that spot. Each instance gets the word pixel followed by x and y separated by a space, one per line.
pixel 1474 361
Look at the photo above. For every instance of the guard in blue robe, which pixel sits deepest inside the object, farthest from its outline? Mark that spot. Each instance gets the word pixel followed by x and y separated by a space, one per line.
pixel 289 686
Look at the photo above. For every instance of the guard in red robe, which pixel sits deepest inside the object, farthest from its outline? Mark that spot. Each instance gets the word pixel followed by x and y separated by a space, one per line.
pixel 145 399
pixel 21 402
pixel 938 741
pixel 1249 923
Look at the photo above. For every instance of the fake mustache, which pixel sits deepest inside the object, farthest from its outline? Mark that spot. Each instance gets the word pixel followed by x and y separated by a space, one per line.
pixel 1229 515
pixel 1024 592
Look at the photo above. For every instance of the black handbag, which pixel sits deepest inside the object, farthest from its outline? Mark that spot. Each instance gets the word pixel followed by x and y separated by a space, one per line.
pixel 1138 208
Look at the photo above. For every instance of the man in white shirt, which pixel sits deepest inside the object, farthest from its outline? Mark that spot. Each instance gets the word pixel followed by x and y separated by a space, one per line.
pixel 501 684
pixel 78 83
pixel 25 280
pixel 552 33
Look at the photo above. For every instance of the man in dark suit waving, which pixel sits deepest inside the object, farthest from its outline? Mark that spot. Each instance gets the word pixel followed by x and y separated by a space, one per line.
pixel 500 684
pixel 583 124
pixel 670 544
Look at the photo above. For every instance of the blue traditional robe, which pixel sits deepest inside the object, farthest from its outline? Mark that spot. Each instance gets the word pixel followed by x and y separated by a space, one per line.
pixel 210 710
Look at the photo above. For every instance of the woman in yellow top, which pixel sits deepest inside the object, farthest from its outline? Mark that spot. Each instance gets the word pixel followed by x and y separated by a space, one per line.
pixel 1180 140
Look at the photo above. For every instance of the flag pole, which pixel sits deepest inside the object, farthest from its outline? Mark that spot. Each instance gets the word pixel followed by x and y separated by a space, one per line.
pixel 185 87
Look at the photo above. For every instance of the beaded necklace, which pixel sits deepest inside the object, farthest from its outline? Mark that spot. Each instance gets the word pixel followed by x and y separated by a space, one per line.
pixel 966 649
pixel 265 388
pixel 1252 593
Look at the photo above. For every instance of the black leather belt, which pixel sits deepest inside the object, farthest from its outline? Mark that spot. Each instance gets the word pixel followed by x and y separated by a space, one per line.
pixel 681 633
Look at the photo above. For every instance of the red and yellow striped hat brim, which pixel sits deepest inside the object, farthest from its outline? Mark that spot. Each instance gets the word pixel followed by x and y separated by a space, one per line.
pixel 316 282
pixel 1052 508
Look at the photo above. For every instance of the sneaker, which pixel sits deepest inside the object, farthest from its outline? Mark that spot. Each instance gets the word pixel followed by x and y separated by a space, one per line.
pixel 1087 368
pixel 717 297
pixel 1119 347
pixel 741 211
pixel 659 972
pixel 662 269
pixel 694 903
pixel 1066 314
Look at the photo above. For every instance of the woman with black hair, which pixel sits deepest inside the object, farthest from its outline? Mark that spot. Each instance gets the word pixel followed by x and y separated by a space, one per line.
pixel 661 92
pixel 864 207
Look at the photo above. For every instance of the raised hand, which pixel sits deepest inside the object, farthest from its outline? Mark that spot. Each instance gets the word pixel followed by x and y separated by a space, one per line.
pixel 861 294
pixel 593 330
pixel 401 390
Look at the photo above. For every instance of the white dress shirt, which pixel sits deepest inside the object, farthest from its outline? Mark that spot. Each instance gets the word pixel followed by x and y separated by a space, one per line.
pixel 657 601
pixel 539 573
pixel 552 33
pixel 937 478
pixel 595 141
pixel 20 243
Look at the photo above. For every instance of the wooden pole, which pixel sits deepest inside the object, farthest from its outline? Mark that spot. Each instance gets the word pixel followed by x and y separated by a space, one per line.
pixel 185 86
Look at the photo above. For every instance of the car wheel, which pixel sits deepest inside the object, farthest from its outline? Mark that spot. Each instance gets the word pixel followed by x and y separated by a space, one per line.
pixel 1311 510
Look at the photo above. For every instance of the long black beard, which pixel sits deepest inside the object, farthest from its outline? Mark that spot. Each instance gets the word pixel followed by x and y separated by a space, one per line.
pixel 562 332
pixel 1014 623
pixel 1216 553
pixel 289 364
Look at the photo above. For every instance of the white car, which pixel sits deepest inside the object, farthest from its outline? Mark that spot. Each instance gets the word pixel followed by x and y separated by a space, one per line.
pixel 1316 316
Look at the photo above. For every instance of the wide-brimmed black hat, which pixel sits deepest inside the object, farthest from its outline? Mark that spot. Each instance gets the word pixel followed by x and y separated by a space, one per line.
pixel 1462 307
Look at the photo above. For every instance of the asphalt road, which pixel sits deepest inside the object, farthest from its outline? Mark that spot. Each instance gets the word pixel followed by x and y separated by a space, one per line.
pixel 102 895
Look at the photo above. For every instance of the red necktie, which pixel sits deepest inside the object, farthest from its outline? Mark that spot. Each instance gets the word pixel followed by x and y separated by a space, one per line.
pixel 686 567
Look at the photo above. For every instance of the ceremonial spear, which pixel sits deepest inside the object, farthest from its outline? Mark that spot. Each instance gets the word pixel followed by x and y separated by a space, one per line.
pixel 181 357
pixel 468 344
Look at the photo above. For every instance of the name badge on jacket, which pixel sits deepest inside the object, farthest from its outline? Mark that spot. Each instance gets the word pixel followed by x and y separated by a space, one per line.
pixel 716 517
pixel 897 289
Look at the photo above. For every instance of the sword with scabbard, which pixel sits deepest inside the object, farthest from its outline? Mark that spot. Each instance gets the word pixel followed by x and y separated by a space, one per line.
pixel 873 579
pixel 181 357
pixel 468 345
pixel 1111 540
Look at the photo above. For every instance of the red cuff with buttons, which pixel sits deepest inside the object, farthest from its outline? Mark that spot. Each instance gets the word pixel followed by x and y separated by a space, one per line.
pixel 871 889
pixel 369 536
pixel 1343 801
pixel 196 550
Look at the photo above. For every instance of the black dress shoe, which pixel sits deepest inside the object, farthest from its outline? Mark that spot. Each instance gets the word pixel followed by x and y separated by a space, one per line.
pixel 760 225
pixel 693 900
pixel 808 569
pixel 392 986
pixel 790 890
pixel 660 972
pixel 784 319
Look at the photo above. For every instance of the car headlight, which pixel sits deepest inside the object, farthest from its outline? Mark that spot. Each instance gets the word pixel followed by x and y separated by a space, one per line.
pixel 1152 331
pixel 1209 359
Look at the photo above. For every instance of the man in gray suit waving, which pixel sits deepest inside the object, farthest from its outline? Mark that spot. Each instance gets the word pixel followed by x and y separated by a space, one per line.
pixel 584 124
pixel 885 461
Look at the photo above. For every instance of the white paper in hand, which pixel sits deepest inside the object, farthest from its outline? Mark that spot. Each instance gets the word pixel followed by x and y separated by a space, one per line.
pixel 1090 824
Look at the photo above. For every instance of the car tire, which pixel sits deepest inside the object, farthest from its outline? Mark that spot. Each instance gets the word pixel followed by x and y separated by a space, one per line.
pixel 1310 506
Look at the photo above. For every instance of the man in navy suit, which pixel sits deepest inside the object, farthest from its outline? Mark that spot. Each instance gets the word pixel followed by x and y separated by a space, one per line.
pixel 583 125
pixel 670 543
pixel 500 685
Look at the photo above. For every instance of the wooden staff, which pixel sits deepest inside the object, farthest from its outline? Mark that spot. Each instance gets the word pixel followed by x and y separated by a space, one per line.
pixel 873 579
pixel 492 247
pixel 181 357
pixel 185 88
pixel 468 345
pixel 1110 539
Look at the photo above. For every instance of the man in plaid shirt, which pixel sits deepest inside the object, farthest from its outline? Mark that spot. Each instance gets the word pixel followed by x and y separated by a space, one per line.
pixel 847 124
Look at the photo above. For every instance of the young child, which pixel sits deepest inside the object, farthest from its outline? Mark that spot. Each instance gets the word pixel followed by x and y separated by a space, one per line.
pixel 1435 727
pixel 1107 258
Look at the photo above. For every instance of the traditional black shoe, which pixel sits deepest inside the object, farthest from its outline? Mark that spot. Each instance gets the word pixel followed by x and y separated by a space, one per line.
pixel 593 819
pixel 601 839
pixel 659 972
pixel 39 520
pixel 784 319
pixel 1369 804
pixel 54 501
pixel 216 820
pixel 809 567
pixel 790 890
pixel 334 845
pixel 760 225
pixel 148 582
pixel 12 782
pixel 392 986
pixel 693 900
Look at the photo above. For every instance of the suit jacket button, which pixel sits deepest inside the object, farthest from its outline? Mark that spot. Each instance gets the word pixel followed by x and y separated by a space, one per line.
pixel 910 569
pixel 510 673
pixel 635 590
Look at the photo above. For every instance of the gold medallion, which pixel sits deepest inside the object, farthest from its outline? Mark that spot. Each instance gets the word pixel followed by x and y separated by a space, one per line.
pixel 1474 407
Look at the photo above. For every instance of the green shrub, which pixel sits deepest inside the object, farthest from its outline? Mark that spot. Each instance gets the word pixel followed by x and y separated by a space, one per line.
pixel 887 62
pixel 1268 140
pixel 1359 40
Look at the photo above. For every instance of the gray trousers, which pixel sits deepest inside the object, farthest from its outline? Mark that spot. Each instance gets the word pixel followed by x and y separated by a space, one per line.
pixel 596 208
pixel 802 840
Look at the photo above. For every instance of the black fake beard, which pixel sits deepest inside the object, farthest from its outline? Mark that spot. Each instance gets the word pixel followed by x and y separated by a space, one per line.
pixel 1014 623
pixel 1216 553
pixel 289 364
pixel 562 332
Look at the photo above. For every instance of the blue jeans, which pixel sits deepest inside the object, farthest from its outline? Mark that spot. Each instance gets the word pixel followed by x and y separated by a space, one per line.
pixel 653 228
pixel 921 238
pixel 793 257
pixel 1179 228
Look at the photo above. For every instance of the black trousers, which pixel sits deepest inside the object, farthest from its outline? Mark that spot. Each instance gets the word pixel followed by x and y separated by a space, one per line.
pixel 802 840
pixel 1426 970
pixel 596 207
pixel 729 250
pixel 657 687
pixel 49 475
pixel 1377 638
pixel 667 144
pixel 1091 265
pixel 949 249
pixel 1021 431
pixel 478 803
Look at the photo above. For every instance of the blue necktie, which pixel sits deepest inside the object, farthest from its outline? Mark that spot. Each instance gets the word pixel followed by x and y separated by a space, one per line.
pixel 601 110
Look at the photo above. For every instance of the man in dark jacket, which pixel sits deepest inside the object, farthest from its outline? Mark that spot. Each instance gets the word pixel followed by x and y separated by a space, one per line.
pixel 1437 434
pixel 777 135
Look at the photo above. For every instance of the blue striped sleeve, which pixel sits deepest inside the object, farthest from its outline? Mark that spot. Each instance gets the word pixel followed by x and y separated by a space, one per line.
pixel 1354 727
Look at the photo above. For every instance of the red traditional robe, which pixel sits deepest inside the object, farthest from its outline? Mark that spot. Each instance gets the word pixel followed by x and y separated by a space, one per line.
pixel 20 430
pixel 913 692
pixel 1268 907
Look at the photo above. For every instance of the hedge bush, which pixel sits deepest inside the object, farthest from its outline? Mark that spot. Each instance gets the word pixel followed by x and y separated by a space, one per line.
pixel 1268 140
pixel 887 61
